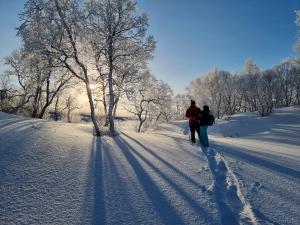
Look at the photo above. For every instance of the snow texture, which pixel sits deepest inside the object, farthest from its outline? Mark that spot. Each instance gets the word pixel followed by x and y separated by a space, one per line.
pixel 58 173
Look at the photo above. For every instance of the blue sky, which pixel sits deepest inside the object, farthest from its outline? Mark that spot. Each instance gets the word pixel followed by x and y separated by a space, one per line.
pixel 194 36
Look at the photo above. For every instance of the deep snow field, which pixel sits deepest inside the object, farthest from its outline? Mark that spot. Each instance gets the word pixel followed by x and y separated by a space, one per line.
pixel 58 173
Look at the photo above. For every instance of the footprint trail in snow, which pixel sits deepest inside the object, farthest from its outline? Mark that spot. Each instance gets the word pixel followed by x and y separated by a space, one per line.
pixel 233 207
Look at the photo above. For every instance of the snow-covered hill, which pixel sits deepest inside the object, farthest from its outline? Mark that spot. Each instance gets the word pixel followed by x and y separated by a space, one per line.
pixel 57 173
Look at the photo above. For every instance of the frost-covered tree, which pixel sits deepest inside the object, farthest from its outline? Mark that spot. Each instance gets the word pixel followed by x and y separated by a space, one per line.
pixel 250 90
pixel 102 88
pixel 120 33
pixel 96 41
pixel 37 78
pixel 250 83
pixel 181 103
pixel 163 109
pixel 214 82
pixel 70 106
pixel 296 81
pixel 57 28
pixel 231 97
pixel 22 94
pixel 250 67
pixel 5 92
pixel 287 71
pixel 126 73
pixel 142 98
pixel 199 92
pixel 267 87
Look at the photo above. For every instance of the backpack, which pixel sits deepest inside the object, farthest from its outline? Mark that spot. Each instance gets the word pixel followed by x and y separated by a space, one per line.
pixel 211 119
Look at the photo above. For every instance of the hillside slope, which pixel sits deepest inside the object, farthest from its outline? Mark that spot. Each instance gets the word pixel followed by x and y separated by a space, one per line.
pixel 57 173
pixel 264 153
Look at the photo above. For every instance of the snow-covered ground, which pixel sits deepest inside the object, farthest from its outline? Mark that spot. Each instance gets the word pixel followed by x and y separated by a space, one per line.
pixel 58 173
pixel 264 154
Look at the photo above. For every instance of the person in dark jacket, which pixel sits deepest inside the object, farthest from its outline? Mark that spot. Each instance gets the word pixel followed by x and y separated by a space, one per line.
pixel 193 114
pixel 204 123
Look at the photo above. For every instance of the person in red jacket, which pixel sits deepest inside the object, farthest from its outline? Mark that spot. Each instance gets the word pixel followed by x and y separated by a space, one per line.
pixel 193 114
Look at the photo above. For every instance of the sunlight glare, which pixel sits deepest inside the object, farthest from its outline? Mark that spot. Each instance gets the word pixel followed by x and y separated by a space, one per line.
pixel 92 86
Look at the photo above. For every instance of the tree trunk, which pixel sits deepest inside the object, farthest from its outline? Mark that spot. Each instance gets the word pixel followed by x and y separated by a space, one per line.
pixel 69 116
pixel 49 99
pixel 81 65
pixel 158 117
pixel 42 112
pixel 111 91
pixel 56 108
pixel 115 106
pixel 35 103
pixel 141 119
pixel 141 124
pixel 92 108
pixel 104 104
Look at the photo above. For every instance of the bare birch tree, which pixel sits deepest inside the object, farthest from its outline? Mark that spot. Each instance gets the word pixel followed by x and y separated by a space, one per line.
pixel 142 98
pixel 56 28
pixel 120 32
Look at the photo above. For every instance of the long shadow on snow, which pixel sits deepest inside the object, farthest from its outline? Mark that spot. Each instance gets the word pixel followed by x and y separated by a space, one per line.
pixel 180 141
pixel 280 133
pixel 259 125
pixel 278 156
pixel 263 217
pixel 116 185
pixel 166 211
pixel 242 155
pixel 6 124
pixel 94 186
pixel 99 205
pixel 17 141
pixel 185 176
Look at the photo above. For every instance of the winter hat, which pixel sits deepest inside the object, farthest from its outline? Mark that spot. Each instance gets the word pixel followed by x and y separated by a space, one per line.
pixel 206 108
